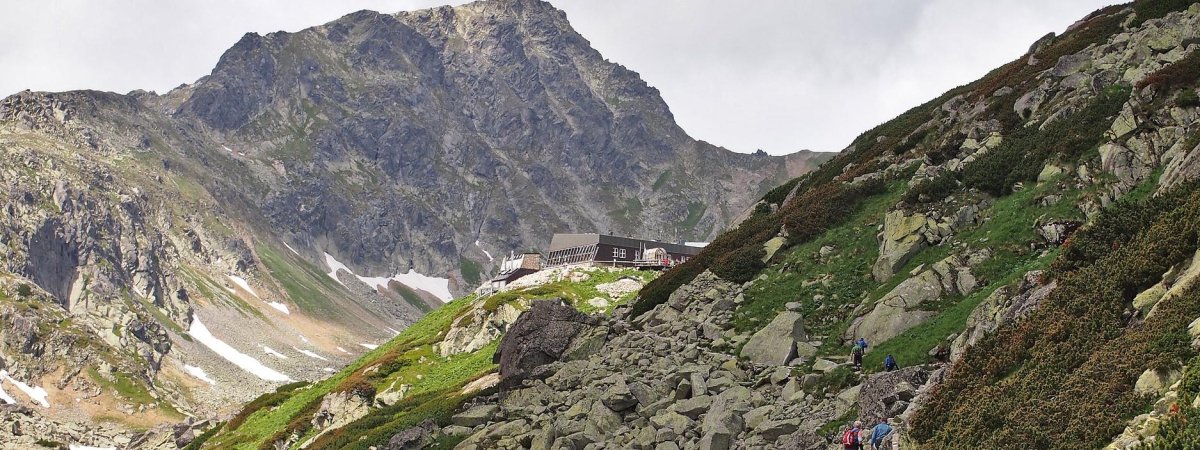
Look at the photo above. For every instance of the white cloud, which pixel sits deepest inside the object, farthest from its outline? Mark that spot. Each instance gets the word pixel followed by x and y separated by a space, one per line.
pixel 781 75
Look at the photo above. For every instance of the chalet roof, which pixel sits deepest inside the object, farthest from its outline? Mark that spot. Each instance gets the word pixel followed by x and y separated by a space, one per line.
pixel 564 241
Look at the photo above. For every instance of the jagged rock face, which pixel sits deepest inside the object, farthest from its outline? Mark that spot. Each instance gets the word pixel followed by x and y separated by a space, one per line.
pixel 400 140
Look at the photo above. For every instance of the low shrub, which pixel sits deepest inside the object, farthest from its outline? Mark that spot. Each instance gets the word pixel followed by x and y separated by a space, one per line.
pixel 1187 99
pixel 1182 73
pixel 740 265
pixel 1069 367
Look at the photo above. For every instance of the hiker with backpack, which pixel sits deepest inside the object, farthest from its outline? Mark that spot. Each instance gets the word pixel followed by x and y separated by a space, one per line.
pixel 862 343
pixel 856 355
pixel 889 364
pixel 852 438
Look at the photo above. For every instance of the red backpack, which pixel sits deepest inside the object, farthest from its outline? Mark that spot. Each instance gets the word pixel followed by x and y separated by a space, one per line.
pixel 850 438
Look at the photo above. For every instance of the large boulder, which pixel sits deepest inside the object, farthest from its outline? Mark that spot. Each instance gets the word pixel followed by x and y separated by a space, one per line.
pixel 779 342
pixel 887 394
pixel 1002 306
pixel 902 307
pixel 901 238
pixel 538 337
pixel 413 438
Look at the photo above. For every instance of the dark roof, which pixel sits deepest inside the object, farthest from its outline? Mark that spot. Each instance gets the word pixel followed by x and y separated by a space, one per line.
pixel 563 241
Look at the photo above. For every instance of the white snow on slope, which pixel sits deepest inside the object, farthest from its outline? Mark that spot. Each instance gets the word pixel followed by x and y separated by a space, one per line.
pixel 696 244
pixel 393 330
pixel 439 287
pixel 246 362
pixel 84 447
pixel 329 369
pixel 3 395
pixel 35 393
pixel 274 353
pixel 243 284
pixel 311 354
pixel 230 150
pixel 370 346
pixel 292 249
pixel 199 373
pixel 344 351
pixel 489 255
pixel 335 266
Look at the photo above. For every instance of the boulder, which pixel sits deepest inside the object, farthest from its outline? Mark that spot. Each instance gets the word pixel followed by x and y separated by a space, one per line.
pixel 902 237
pixel 824 365
pixel 1156 382
pixel 882 390
pixel 413 438
pixel 618 397
pixel 476 416
pixel 538 337
pixel 779 342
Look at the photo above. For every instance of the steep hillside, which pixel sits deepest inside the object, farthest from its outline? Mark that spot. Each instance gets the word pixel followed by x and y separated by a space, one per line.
pixel 1023 246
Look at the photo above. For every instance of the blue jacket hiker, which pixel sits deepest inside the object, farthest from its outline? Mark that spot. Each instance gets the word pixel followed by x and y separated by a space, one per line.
pixel 879 433
pixel 862 343
pixel 889 364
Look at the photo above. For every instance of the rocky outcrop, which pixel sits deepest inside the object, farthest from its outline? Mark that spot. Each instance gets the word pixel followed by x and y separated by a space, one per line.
pixel 901 308
pixel 477 328
pixel 538 337
pixel 782 340
pixel 414 438
pixel 888 394
pixel 1002 306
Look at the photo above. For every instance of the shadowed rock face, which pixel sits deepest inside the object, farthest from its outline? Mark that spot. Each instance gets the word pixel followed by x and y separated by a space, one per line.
pixel 538 338
pixel 53 261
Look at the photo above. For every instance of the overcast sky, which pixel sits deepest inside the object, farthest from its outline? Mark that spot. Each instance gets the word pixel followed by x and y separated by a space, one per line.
pixel 777 75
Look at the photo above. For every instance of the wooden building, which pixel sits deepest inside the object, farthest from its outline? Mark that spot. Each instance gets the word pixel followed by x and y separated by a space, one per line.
pixel 566 249
pixel 512 268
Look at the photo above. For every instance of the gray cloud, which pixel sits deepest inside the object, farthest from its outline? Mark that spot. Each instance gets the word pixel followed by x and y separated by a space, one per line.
pixel 780 75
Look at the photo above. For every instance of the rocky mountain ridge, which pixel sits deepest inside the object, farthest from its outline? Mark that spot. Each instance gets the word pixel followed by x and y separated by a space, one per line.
pixel 170 256
pixel 1023 246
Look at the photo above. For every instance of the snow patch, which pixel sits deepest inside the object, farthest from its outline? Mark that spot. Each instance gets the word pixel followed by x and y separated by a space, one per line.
pixel 243 284
pixel 280 306
pixel 310 354
pixel 370 346
pixel 393 330
pixel 35 393
pixel 489 255
pixel 696 244
pixel 274 353
pixel 335 266
pixel 329 369
pixel 242 360
pixel 344 351
pixel 230 150
pixel 4 395
pixel 84 447
pixel 303 338
pixel 292 249
pixel 199 373
pixel 439 287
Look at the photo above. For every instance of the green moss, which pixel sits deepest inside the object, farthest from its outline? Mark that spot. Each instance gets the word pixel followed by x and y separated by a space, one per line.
pixel 662 180
pixel 471 271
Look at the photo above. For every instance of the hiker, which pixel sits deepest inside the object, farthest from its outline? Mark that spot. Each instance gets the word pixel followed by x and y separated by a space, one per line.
pixel 856 355
pixel 862 343
pixel 852 438
pixel 880 433
pixel 889 364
